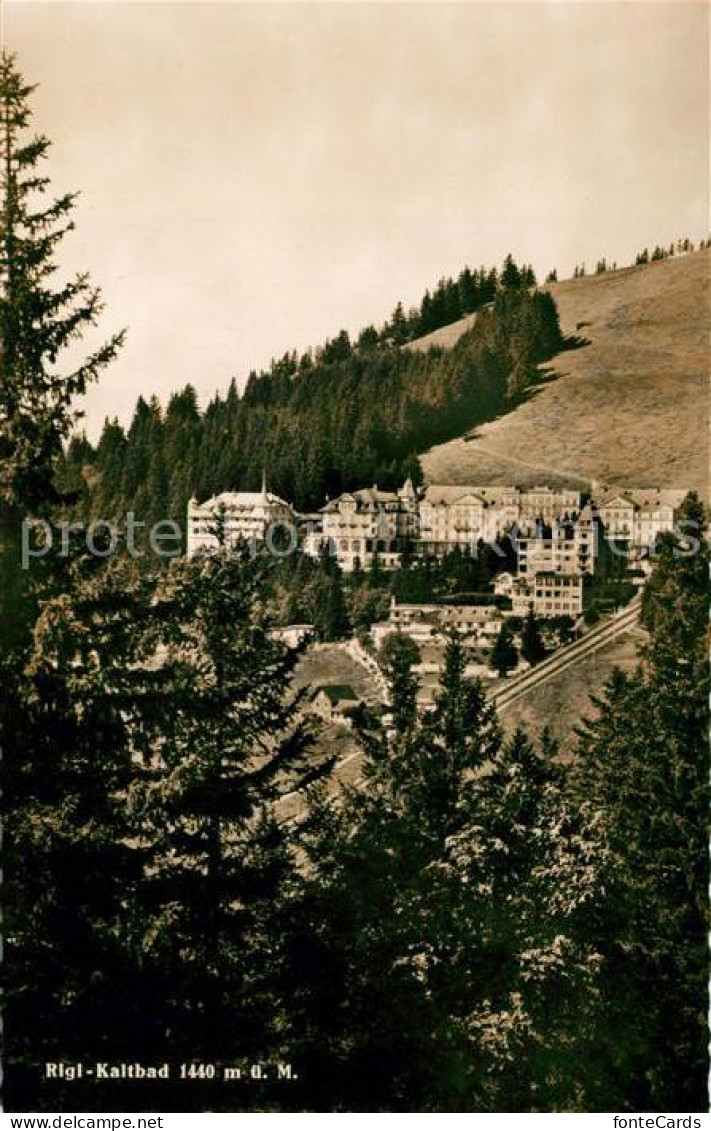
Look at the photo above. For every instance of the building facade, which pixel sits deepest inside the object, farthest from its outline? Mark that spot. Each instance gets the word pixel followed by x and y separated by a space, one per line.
pixel 432 622
pixel 557 594
pixel 548 593
pixel 567 546
pixel 237 516
pixel 360 526
pixel 550 529
pixel 452 516
pixel 637 515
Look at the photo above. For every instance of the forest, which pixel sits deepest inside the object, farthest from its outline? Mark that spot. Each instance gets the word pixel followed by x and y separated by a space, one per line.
pixel 485 923
pixel 344 416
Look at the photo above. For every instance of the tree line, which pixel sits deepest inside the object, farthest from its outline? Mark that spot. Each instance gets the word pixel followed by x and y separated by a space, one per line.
pixel 492 924
pixel 346 416
pixel 681 247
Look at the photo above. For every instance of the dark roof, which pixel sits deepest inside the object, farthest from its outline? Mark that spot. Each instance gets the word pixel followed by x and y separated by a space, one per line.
pixel 338 692
pixel 551 575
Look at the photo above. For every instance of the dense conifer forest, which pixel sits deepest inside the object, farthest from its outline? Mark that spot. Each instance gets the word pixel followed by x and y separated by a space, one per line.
pixel 346 415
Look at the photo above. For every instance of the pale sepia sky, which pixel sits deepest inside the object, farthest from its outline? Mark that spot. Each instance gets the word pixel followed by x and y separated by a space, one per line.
pixel 256 176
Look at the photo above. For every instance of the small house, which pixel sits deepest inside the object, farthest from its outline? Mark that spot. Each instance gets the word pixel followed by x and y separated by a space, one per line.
pixel 335 702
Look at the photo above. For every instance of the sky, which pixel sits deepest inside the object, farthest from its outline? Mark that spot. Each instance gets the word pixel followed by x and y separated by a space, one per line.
pixel 254 177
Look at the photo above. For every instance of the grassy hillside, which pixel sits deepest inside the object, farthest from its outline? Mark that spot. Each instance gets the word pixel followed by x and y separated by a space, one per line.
pixel 562 701
pixel 631 406
pixel 446 336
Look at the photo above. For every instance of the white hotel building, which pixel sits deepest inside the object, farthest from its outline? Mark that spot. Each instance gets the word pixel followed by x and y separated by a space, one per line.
pixel 636 515
pixel 246 516
pixel 453 516
pixel 551 531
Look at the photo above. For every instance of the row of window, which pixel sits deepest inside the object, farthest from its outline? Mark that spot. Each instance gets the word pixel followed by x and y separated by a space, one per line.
pixel 369 546
pixel 230 527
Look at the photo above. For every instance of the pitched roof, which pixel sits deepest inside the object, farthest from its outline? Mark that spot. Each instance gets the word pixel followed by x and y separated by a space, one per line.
pixel 498 494
pixel 644 498
pixel 229 499
pixel 365 498
pixel 449 494
pixel 375 495
pixel 338 692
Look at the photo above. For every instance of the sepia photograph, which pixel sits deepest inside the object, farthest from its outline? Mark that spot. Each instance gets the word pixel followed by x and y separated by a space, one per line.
pixel 354 559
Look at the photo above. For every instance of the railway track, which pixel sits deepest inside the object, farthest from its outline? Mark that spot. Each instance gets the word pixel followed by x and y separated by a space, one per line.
pixel 506 695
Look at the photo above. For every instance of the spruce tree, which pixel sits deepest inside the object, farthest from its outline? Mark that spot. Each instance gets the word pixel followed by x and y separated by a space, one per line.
pixel 331 619
pixel 437 960
pixel 37 323
pixel 398 654
pixel 159 713
pixel 532 647
pixel 71 863
pixel 504 655
pixel 644 767
pixel 205 805
pixel 64 851
pixel 510 274
pixel 528 982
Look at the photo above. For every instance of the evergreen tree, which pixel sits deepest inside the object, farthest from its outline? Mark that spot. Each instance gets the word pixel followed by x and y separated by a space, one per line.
pixel 532 647
pixel 331 619
pixel 160 733
pixel 520 378
pixel 398 326
pixel 205 807
pixel 468 296
pixel 529 998
pixel 455 978
pixel 71 862
pixel 398 655
pixel 37 323
pixel 504 655
pixel 510 274
pixel 644 766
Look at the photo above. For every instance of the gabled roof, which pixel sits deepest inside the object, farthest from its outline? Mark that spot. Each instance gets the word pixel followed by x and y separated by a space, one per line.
pixel 497 494
pixel 407 491
pixel 367 498
pixel 471 497
pixel 335 504
pixel 649 497
pixel 645 498
pixel 375 495
pixel 228 499
pixel 617 500
pixel 449 494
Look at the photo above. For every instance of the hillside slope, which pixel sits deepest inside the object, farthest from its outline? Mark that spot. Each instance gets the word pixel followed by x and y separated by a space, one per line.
pixel 564 700
pixel 631 406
